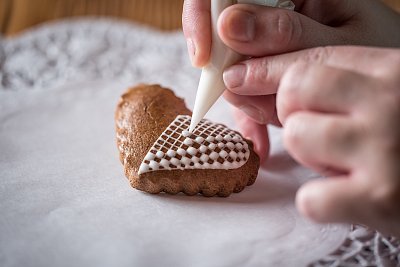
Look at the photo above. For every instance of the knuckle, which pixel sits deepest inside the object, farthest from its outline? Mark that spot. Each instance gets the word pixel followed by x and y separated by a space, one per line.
pixel 385 198
pixel 389 102
pixel 336 134
pixel 294 130
pixel 318 55
pixel 288 91
pixel 393 65
pixel 258 71
pixel 289 28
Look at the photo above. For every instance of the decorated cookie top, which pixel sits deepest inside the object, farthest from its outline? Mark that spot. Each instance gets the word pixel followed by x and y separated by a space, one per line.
pixel 210 146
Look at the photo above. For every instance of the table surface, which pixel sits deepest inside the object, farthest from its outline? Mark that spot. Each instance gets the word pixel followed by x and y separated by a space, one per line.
pixel 17 15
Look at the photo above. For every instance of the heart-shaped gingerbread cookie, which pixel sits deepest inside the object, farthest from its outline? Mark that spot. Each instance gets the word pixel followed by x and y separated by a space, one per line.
pixel 160 155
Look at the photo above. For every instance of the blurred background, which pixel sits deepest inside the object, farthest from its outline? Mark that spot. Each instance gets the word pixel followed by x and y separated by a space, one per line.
pixel 18 15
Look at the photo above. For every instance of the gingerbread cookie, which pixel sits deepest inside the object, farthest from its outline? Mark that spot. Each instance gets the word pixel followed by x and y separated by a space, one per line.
pixel 160 155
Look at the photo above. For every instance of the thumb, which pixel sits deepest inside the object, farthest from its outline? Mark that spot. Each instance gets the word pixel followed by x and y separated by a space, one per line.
pixel 258 31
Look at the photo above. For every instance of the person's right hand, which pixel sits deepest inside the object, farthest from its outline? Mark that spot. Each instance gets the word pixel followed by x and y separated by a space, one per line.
pixel 262 31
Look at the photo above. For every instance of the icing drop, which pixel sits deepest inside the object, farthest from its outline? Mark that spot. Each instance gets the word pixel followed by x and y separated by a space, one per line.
pixel 149 156
pixel 203 149
pixel 188 141
pixel 181 151
pixel 171 153
pixel 192 151
pixel 223 154
pixel 214 155
pixel 199 139
pixel 210 146
pixel 228 138
pixel 160 154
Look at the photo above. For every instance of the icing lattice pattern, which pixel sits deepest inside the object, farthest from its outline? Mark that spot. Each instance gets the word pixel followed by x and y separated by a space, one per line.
pixel 210 146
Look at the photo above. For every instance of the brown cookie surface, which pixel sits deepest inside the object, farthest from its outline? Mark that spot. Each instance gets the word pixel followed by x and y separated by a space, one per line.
pixel 143 114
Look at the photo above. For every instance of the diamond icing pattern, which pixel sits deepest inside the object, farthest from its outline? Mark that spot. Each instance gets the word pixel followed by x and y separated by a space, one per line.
pixel 210 146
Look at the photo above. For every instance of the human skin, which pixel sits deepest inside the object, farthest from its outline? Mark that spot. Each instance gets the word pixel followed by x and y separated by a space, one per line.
pixel 339 105
pixel 260 32
pixel 340 112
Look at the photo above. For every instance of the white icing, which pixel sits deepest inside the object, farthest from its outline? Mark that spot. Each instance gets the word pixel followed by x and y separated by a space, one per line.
pixel 203 149
pixel 175 161
pixel 149 156
pixel 223 154
pixel 228 138
pixel 188 141
pixel 185 160
pixel 214 155
pixel 210 146
pixel 233 155
pixel 143 168
pixel 160 154
pixel 199 139
pixel 192 151
pixel 181 151
pixel 186 133
pixel 153 165
pixel 164 163
pixel 204 158
pixel 171 153
pixel 230 145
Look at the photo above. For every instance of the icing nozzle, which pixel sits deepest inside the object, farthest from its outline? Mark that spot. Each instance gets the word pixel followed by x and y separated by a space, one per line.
pixel 211 85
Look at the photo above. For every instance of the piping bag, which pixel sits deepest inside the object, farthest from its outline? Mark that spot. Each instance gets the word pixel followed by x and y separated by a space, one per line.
pixel 211 85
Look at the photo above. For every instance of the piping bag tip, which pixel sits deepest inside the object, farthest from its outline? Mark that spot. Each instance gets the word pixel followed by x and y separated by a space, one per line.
pixel 193 124
pixel 211 87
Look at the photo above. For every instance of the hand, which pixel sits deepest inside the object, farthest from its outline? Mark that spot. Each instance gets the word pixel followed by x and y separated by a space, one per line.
pixel 272 31
pixel 259 31
pixel 340 109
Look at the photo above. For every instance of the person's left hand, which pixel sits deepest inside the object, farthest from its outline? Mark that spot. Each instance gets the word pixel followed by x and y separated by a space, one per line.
pixel 340 114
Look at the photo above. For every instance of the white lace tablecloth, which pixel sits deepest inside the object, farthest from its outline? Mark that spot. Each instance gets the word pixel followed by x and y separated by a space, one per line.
pixel 67 61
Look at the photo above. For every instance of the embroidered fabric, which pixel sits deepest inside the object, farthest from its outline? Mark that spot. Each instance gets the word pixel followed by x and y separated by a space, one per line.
pixel 92 49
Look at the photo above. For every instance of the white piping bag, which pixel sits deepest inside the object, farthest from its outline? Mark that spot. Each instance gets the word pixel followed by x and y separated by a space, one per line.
pixel 211 85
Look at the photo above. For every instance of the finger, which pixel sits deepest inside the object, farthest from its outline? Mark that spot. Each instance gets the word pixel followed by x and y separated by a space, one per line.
pixel 323 89
pixel 262 76
pixel 196 22
pixel 258 31
pixel 322 142
pixel 253 131
pixel 253 77
pixel 335 199
pixel 260 109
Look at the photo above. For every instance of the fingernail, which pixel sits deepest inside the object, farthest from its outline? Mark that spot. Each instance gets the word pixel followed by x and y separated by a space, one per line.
pixel 241 25
pixel 234 76
pixel 253 113
pixel 191 49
